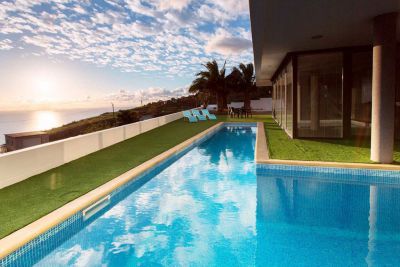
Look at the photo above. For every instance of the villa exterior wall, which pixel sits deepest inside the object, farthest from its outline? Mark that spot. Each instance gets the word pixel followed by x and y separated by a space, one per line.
pixel 329 94
pixel 19 165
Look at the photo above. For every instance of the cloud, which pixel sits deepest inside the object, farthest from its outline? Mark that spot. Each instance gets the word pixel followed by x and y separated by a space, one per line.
pixel 175 4
pixel 121 99
pixel 233 7
pixel 210 13
pixel 171 38
pixel 226 44
pixel 5 44
pixel 146 95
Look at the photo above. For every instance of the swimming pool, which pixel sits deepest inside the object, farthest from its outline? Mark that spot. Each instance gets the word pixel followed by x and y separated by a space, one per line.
pixel 212 206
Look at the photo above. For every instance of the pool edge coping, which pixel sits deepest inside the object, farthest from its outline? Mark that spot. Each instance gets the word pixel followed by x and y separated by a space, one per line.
pixel 261 149
pixel 262 156
pixel 22 236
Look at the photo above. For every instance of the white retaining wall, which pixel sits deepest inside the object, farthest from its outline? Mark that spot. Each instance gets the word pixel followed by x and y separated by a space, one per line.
pixel 262 105
pixel 21 164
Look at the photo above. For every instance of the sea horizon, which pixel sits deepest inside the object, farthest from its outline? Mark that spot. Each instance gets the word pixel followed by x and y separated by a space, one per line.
pixel 15 121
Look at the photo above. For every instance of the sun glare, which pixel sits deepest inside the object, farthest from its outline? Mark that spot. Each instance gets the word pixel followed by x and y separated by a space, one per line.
pixel 45 120
pixel 44 85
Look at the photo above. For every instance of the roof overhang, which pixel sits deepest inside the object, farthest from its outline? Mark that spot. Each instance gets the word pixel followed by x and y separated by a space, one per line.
pixel 279 27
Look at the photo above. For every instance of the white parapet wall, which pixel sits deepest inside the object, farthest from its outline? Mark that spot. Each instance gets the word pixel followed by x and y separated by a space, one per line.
pixel 19 165
pixel 259 105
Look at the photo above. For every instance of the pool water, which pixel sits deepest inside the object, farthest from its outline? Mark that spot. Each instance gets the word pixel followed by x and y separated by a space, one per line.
pixel 211 208
pixel 200 210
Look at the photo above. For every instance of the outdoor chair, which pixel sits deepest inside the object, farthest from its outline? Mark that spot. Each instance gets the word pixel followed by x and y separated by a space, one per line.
pixel 234 112
pixel 208 114
pixel 187 115
pixel 197 114
pixel 246 112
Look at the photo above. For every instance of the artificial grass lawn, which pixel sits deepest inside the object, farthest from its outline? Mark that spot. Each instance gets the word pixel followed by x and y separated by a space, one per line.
pixel 338 150
pixel 27 201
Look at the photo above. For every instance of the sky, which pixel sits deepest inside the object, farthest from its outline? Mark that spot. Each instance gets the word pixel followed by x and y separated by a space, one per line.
pixel 73 54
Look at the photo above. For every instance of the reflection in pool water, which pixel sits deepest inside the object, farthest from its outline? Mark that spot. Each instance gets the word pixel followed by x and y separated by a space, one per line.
pixel 200 210
pixel 209 208
pixel 337 224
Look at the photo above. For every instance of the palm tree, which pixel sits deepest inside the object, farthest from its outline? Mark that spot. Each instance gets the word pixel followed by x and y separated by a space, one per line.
pixel 244 78
pixel 212 81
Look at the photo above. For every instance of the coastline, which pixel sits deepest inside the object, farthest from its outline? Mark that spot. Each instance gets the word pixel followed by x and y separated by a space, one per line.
pixel 37 120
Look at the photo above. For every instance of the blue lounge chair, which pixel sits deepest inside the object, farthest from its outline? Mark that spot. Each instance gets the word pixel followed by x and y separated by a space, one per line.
pixel 208 114
pixel 200 117
pixel 187 115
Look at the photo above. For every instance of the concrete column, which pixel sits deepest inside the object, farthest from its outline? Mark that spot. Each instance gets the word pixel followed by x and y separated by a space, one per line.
pixel 314 92
pixel 383 87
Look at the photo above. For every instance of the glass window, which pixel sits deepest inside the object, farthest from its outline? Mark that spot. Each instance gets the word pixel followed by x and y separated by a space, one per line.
pixel 361 93
pixel 320 95
pixel 283 99
pixel 277 102
pixel 397 107
pixel 273 99
pixel 289 99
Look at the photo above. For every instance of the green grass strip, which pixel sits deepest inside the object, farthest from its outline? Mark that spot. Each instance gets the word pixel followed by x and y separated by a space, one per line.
pixel 27 201
pixel 356 150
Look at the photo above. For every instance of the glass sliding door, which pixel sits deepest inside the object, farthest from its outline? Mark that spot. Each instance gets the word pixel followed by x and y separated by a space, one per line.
pixel 278 101
pixel 289 99
pixel 361 93
pixel 283 98
pixel 319 85
pixel 273 98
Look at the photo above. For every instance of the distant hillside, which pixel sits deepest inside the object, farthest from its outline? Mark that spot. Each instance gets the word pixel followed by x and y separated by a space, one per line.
pixel 121 117
pixel 154 109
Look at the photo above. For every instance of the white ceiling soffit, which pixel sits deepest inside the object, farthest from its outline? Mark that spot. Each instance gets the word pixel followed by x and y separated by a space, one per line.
pixel 282 26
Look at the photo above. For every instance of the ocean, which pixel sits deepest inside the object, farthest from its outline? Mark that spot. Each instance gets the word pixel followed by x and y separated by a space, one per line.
pixel 25 121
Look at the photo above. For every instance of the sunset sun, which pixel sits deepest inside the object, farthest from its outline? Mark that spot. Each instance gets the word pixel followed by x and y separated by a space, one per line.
pixel 44 85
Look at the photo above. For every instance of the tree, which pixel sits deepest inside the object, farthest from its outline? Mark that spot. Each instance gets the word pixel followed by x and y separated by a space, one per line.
pixel 126 116
pixel 199 87
pixel 212 81
pixel 204 98
pixel 243 78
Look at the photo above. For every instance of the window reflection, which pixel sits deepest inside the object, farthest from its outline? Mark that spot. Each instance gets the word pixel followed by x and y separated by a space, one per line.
pixel 282 99
pixel 320 95
pixel 289 99
pixel 361 92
